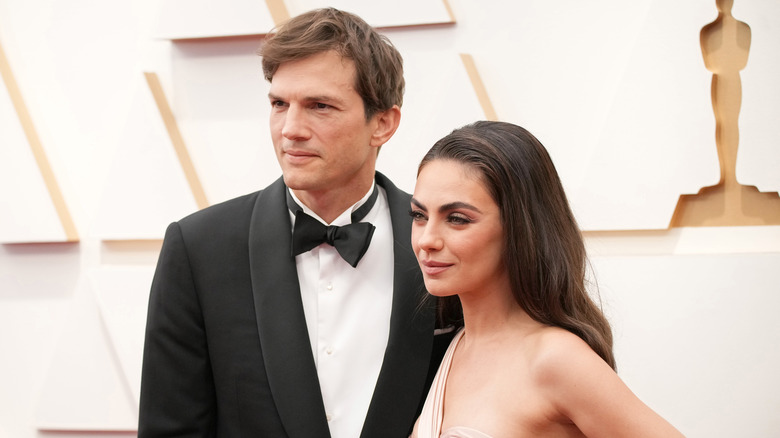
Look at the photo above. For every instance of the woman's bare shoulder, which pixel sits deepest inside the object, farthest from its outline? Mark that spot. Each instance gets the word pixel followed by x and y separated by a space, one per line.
pixel 558 355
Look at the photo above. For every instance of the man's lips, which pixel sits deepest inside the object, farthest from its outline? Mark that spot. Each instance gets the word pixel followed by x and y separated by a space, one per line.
pixel 432 267
pixel 297 155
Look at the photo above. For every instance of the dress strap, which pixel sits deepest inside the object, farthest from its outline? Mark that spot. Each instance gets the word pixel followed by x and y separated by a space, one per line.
pixel 432 413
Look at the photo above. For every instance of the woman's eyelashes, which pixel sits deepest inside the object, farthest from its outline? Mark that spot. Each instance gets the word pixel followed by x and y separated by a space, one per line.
pixel 454 218
pixel 458 219
pixel 417 215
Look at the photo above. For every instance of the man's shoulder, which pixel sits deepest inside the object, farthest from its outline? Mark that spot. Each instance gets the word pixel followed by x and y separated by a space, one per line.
pixel 230 209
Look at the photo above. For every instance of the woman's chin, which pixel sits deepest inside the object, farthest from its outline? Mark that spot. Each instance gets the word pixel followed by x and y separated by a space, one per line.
pixel 438 291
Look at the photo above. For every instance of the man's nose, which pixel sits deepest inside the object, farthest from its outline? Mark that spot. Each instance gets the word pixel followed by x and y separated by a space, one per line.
pixel 295 126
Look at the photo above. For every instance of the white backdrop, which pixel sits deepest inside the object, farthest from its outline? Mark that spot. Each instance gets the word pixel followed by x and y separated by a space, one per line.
pixel 616 90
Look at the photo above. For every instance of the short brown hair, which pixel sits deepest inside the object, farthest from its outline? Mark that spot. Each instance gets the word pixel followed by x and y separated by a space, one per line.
pixel 379 77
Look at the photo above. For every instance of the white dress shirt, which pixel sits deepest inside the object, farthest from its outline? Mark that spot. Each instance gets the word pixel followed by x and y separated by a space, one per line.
pixel 348 316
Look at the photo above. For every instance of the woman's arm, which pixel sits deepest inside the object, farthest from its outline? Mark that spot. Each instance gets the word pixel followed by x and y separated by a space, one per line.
pixel 586 390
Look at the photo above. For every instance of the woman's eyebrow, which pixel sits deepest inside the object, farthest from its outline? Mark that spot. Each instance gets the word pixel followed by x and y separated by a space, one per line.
pixel 459 205
pixel 419 205
pixel 449 206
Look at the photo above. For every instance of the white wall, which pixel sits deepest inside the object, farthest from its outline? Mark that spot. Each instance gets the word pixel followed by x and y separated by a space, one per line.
pixel 616 90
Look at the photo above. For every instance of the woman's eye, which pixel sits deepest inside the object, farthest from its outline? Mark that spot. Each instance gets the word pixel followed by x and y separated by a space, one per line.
pixel 457 219
pixel 416 215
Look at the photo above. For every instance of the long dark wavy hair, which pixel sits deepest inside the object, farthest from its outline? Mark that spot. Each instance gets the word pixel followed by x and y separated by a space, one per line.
pixel 544 250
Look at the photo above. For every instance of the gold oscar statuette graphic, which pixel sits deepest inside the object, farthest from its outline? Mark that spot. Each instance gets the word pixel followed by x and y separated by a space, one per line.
pixel 725 45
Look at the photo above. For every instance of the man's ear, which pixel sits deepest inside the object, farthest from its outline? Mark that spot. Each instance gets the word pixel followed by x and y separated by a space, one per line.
pixel 386 123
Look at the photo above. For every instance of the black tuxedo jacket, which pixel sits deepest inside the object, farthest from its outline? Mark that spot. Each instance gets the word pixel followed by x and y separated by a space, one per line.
pixel 227 351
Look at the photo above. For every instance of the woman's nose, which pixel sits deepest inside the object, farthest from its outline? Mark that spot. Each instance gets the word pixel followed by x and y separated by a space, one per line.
pixel 429 238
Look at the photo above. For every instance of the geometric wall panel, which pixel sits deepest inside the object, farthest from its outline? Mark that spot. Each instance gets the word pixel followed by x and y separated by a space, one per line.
pixel 398 13
pixel 122 294
pixel 714 316
pixel 26 210
pixel 86 388
pixel 95 375
pixel 638 169
pixel 188 19
pixel 31 205
pixel 627 120
pixel 76 62
pixel 147 188
pixel 220 100
pixel 182 19
pixel 440 96
pixel 758 156
pixel 178 142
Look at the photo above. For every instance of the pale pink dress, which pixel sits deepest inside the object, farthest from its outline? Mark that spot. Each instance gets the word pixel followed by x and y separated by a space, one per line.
pixel 433 411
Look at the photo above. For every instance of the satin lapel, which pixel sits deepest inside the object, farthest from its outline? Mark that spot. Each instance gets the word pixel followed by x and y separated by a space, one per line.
pixel 401 382
pixel 281 323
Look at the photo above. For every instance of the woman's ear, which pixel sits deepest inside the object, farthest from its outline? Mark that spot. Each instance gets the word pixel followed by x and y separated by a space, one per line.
pixel 387 122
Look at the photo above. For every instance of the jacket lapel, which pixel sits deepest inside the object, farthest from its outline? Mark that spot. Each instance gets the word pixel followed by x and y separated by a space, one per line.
pixel 284 339
pixel 399 389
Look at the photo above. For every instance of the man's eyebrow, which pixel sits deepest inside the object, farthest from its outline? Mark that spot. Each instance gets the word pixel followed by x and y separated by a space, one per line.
pixel 319 98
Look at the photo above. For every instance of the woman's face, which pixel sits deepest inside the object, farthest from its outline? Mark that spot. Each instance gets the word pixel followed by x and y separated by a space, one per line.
pixel 456 231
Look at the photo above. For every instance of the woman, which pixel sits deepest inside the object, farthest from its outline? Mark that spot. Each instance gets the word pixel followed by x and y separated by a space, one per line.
pixel 499 246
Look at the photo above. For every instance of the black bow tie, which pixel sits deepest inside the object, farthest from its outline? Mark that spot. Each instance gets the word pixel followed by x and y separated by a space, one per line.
pixel 351 241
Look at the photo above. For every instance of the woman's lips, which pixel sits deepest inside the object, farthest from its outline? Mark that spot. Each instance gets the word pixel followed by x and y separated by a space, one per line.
pixel 432 267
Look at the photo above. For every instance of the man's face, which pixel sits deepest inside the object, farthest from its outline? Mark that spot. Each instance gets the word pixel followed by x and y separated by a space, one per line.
pixel 318 126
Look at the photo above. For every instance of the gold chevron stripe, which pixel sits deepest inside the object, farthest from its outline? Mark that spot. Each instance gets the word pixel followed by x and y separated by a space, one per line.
pixel 479 87
pixel 449 10
pixel 39 153
pixel 178 141
pixel 278 11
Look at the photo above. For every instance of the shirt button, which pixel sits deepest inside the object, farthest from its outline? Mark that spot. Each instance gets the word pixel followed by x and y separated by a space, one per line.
pixel 328 417
pixel 329 350
pixel 329 286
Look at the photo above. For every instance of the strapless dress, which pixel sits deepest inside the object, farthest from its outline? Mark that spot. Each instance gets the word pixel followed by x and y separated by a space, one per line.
pixel 463 432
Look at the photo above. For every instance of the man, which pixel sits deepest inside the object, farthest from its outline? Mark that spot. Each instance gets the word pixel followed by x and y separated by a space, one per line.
pixel 254 332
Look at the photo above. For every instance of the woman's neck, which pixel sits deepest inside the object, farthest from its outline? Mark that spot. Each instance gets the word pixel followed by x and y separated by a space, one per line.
pixel 493 313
